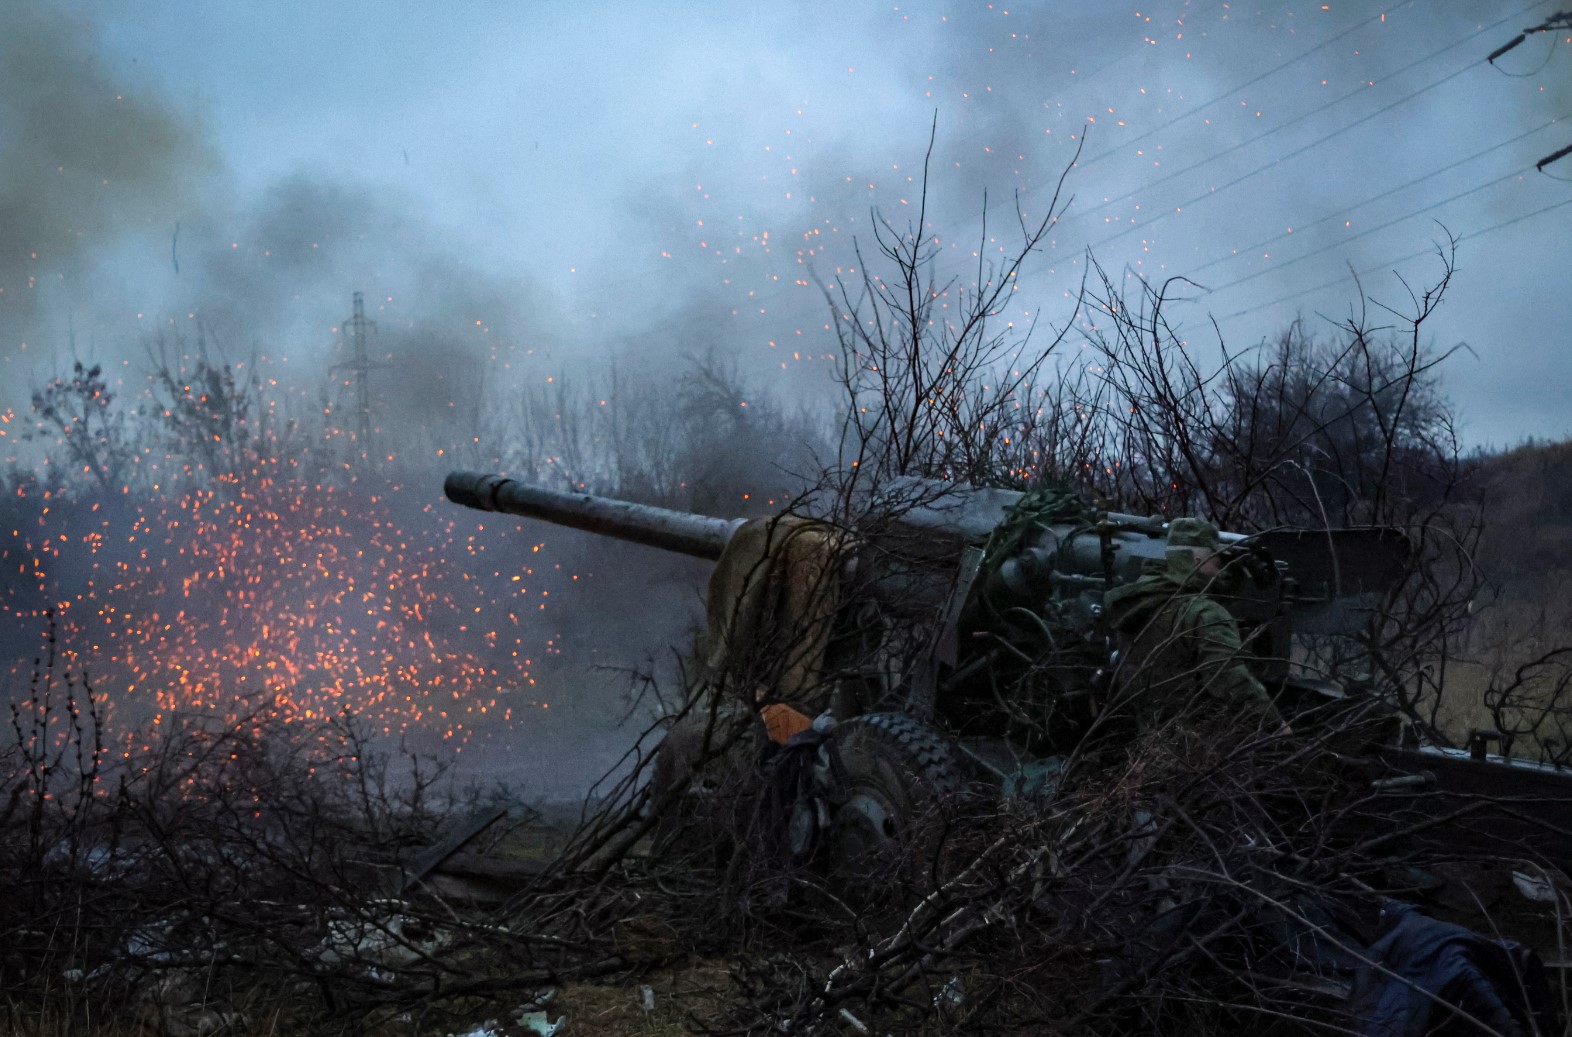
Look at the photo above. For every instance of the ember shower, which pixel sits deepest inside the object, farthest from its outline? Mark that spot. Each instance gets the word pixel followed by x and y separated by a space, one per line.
pixel 292 589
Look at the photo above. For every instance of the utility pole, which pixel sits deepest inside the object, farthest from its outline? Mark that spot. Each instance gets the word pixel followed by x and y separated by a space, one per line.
pixel 359 368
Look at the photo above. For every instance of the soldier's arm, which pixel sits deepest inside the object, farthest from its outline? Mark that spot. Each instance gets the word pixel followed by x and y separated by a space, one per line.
pixel 1221 658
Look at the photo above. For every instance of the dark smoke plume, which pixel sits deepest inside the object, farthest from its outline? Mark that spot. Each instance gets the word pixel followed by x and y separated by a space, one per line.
pixel 87 159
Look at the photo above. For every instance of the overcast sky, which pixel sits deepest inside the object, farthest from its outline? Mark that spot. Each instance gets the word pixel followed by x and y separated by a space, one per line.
pixel 565 181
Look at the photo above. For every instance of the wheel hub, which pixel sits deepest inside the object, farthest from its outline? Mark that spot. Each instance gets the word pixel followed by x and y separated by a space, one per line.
pixel 867 829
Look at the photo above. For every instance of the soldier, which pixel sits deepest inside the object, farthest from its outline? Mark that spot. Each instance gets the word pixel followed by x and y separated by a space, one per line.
pixel 1179 649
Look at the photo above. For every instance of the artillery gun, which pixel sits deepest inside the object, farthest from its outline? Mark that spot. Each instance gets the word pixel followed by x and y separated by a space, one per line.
pixel 964 647
pixel 953 569
pixel 966 643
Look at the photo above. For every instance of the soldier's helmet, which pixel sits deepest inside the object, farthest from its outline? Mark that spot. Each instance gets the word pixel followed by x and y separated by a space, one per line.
pixel 1193 532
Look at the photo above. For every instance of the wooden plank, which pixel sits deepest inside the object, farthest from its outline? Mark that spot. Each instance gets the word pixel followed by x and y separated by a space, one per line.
pixel 429 859
pixel 475 865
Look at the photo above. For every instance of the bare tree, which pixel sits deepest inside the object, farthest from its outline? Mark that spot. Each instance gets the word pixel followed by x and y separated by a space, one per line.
pixel 939 380
pixel 212 410
pixel 80 414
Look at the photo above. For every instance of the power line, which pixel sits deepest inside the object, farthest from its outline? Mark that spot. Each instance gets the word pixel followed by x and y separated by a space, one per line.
pixel 1081 81
pixel 1356 92
pixel 1291 61
pixel 1299 151
pixel 1213 192
pixel 1248 249
pixel 1401 259
pixel 1380 227
pixel 1364 233
pixel 777 297
pixel 1245 86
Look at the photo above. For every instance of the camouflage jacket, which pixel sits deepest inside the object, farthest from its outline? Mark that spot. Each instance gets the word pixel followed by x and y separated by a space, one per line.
pixel 1179 649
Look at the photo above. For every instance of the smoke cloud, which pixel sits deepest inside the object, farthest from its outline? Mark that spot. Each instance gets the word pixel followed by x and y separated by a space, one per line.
pixel 86 162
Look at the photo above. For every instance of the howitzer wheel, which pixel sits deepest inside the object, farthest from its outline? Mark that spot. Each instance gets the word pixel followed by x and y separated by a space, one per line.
pixel 896 781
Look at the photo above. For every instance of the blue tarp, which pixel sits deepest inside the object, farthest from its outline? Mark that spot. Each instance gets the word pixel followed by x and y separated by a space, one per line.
pixel 1426 977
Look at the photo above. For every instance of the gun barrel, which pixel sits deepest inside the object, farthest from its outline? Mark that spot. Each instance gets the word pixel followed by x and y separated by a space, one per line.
pixel 679 531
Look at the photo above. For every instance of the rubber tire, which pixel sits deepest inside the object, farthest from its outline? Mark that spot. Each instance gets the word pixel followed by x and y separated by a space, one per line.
pixel 898 778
